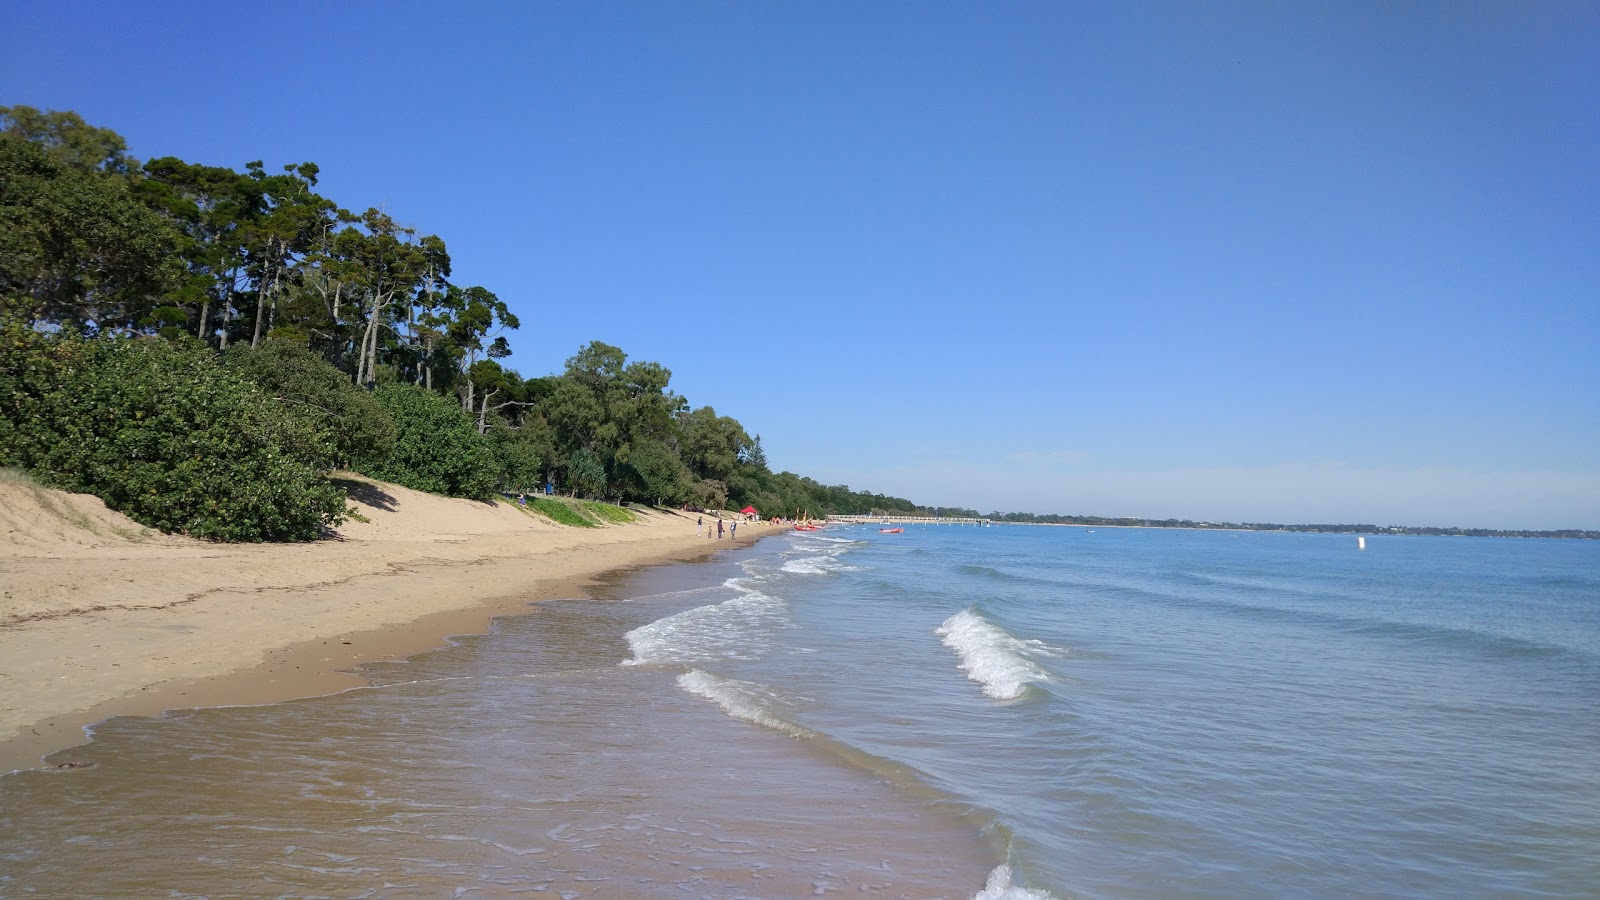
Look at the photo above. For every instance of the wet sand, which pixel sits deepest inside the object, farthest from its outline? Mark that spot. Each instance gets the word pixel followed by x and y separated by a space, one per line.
pixel 101 618
pixel 528 760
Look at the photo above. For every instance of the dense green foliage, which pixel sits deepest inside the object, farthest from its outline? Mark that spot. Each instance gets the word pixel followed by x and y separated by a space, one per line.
pixel 436 448
pixel 341 334
pixel 164 434
pixel 352 422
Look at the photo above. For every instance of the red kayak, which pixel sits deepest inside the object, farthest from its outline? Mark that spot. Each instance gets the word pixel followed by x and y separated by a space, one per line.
pixel 891 531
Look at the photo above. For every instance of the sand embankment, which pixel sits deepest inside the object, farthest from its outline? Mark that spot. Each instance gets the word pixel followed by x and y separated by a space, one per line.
pixel 101 617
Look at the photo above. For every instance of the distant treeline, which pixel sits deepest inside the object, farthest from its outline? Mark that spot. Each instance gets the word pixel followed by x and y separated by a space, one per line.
pixel 1033 519
pixel 202 347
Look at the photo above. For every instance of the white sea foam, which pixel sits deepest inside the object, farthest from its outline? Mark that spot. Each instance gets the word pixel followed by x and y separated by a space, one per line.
pixel 818 558
pixel 739 699
pixel 999 887
pixel 740 628
pixel 990 656
pixel 811 565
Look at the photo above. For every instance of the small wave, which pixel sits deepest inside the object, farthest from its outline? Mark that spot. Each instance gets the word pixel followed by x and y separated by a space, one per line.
pixel 990 656
pixel 999 887
pixel 814 565
pixel 734 629
pixel 739 699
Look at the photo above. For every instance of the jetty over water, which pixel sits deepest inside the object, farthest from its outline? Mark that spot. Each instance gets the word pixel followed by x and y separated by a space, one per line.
pixel 911 520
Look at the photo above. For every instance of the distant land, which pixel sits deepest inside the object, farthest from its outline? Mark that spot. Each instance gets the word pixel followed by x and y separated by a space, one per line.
pixel 1133 522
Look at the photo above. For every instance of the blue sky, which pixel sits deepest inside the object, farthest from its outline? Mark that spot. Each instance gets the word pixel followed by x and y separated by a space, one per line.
pixel 1304 262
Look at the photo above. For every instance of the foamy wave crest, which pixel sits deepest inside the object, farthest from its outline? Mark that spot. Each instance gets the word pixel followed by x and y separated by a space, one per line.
pixel 814 565
pixel 740 628
pixel 999 887
pixel 739 699
pixel 990 656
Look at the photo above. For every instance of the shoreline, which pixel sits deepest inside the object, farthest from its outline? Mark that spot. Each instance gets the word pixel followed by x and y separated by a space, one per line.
pixel 99 624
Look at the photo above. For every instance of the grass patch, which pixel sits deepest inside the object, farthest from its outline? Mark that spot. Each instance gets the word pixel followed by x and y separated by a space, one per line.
pixel 605 512
pixel 559 512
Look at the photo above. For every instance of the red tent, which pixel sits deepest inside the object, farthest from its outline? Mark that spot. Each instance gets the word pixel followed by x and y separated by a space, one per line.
pixel 749 511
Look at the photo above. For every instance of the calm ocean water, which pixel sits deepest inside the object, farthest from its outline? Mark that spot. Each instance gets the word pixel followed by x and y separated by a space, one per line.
pixel 1001 712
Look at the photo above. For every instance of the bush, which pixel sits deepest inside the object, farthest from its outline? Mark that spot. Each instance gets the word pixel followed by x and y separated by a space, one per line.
pixel 437 448
pixel 522 455
pixel 353 423
pixel 163 434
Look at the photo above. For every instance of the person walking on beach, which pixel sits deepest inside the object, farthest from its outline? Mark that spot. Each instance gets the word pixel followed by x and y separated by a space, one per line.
pixel 719 529
pixel 733 530
pixel 697 523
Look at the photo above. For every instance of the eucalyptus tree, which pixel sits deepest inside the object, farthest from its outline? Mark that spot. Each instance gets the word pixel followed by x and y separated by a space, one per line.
pixel 431 313
pixel 288 222
pixel 387 268
pixel 476 330
pixel 209 206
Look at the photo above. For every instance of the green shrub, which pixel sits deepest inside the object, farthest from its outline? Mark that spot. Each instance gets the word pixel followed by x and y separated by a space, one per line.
pixel 348 418
pixel 163 434
pixel 437 448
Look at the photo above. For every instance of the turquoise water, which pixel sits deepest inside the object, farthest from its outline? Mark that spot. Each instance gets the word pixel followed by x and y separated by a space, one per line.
pixel 1006 712
pixel 1188 713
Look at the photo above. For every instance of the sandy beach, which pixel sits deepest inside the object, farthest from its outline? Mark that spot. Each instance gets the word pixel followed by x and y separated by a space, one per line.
pixel 100 617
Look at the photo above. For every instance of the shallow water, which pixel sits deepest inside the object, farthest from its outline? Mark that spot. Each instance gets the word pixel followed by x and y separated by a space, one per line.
pixel 1001 712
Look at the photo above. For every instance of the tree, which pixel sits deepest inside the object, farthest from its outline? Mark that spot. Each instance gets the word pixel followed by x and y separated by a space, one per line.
pixel 69 141
pixel 290 219
pixel 76 247
pixel 387 267
pixel 585 474
pixel 658 472
pixel 474 333
pixel 208 206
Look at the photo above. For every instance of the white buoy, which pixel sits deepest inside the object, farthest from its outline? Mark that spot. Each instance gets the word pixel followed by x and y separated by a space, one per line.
pixel 1361 542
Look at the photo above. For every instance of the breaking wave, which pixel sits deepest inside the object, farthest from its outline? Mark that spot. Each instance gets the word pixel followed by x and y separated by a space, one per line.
pixel 1001 663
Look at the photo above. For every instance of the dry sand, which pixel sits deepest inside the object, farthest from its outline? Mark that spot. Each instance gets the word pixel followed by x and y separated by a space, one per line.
pixel 100 617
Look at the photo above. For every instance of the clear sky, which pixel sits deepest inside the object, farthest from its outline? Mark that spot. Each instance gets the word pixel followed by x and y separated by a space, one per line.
pixel 1265 261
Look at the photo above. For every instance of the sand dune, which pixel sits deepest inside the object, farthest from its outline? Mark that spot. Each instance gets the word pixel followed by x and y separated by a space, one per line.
pixel 100 616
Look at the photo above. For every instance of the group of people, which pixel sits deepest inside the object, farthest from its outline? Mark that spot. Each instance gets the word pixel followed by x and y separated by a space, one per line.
pixel 699 527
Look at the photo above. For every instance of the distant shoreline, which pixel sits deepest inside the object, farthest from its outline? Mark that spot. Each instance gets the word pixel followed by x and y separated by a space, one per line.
pixel 970 517
pixel 1570 535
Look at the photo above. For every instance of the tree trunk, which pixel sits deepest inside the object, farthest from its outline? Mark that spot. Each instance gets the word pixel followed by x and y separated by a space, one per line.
pixel 483 414
pixel 205 314
pixel 373 324
pixel 261 309
pixel 362 376
pixel 272 313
